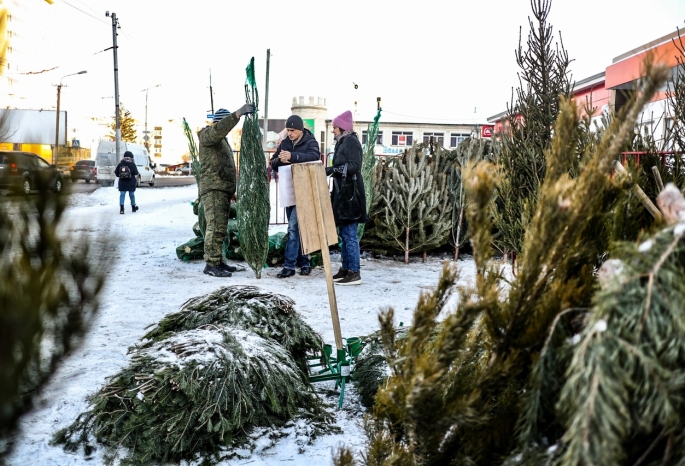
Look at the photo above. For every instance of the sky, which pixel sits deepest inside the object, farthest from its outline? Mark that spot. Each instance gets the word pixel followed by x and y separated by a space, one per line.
pixel 158 283
pixel 428 61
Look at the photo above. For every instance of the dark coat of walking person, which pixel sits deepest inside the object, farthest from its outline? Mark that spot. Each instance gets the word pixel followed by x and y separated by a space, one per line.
pixel 218 184
pixel 346 172
pixel 299 146
pixel 127 172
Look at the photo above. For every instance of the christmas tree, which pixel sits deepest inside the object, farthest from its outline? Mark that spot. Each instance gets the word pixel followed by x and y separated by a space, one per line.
pixel 493 377
pixel 543 79
pixel 411 209
pixel 253 205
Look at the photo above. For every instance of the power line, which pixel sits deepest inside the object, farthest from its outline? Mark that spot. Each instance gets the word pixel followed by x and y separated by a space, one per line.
pixel 87 6
pixel 62 65
pixel 84 12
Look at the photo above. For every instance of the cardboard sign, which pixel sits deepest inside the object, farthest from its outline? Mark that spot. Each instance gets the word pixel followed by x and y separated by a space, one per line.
pixel 286 191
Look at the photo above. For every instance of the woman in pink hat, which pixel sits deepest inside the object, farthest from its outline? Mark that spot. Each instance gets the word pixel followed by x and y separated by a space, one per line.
pixel 347 185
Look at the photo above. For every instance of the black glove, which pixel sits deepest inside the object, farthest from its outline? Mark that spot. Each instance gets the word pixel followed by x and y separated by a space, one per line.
pixel 329 171
pixel 246 109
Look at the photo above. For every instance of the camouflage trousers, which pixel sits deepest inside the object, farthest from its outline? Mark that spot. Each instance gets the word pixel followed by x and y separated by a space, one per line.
pixel 216 205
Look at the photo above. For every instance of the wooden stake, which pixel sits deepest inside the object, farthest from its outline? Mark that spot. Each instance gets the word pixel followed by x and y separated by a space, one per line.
pixel 326 258
pixel 657 176
pixel 649 205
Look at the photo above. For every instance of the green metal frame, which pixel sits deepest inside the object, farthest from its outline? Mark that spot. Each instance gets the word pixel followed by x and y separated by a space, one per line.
pixel 325 366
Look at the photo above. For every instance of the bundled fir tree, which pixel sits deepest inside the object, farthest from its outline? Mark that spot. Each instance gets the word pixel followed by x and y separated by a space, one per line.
pixel 253 186
pixel 543 80
pixel 411 208
pixel 492 377
pixel 225 370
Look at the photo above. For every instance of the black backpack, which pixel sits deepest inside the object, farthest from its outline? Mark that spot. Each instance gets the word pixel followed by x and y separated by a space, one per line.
pixel 125 172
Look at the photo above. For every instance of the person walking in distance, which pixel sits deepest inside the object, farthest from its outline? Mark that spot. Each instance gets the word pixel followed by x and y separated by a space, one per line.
pixel 217 184
pixel 346 173
pixel 127 173
pixel 298 147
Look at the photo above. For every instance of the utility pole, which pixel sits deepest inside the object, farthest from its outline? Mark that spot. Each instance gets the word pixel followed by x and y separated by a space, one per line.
pixel 117 119
pixel 55 154
pixel 146 136
pixel 266 99
pixel 211 92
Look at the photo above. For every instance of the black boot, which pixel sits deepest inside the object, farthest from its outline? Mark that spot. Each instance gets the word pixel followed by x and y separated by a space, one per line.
pixel 134 208
pixel 121 209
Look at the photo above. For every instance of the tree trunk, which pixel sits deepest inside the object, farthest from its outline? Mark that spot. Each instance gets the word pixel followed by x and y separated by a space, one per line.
pixel 456 249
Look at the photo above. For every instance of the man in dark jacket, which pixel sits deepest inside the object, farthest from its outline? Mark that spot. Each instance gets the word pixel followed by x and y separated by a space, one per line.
pixel 127 173
pixel 217 184
pixel 300 146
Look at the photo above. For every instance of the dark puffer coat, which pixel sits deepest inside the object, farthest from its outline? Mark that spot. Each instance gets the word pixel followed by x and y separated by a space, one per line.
pixel 130 183
pixel 304 150
pixel 348 150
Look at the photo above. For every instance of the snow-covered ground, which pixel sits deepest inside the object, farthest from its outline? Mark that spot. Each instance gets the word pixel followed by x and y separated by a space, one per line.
pixel 147 281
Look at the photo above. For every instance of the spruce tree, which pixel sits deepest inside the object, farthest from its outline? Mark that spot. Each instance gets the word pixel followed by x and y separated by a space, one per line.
pixel 485 390
pixel 368 162
pixel 127 124
pixel 411 207
pixel 50 284
pixel 543 79
pixel 468 151
pixel 675 137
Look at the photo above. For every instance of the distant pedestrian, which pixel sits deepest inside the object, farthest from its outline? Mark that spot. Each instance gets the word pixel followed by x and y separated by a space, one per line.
pixel 217 184
pixel 346 171
pixel 127 173
pixel 298 147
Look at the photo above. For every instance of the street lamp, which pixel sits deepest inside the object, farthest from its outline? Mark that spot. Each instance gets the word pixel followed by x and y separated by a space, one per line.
pixel 146 138
pixel 59 91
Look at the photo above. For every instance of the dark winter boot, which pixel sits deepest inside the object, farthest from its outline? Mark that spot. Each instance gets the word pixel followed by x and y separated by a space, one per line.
pixel 216 271
pixel 121 209
pixel 352 278
pixel 134 208
pixel 342 273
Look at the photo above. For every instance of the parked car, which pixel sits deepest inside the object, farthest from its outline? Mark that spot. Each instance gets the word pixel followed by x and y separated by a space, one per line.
pixel 24 171
pixel 84 170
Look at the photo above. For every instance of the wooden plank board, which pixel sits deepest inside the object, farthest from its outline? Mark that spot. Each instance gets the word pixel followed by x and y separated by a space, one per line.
pixel 316 223
pixel 307 218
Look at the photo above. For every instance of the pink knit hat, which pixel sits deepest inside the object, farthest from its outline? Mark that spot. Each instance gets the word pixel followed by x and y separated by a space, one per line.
pixel 344 121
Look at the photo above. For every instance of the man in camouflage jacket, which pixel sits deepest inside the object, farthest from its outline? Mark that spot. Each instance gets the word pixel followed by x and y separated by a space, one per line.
pixel 217 184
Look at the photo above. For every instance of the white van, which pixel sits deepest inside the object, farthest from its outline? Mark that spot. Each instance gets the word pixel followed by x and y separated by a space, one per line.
pixel 106 161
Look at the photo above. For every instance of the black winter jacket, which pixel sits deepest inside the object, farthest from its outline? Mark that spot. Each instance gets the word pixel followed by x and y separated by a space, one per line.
pixel 305 150
pixel 128 184
pixel 348 150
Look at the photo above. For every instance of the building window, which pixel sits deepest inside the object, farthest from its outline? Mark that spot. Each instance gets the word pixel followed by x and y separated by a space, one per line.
pixel 438 138
pixel 402 138
pixel 458 138
pixel 379 137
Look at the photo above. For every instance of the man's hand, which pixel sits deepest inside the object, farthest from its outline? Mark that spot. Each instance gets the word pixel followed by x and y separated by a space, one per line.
pixel 246 109
pixel 284 156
